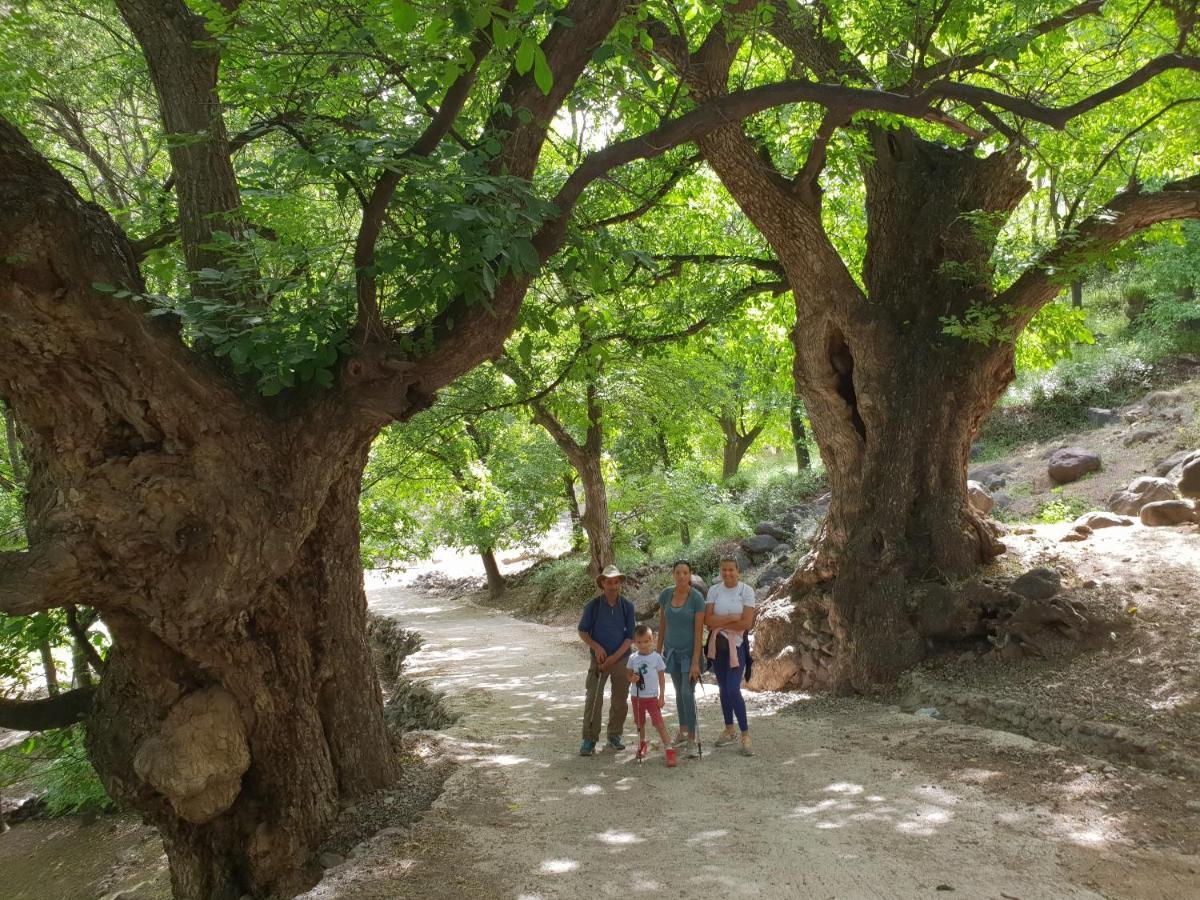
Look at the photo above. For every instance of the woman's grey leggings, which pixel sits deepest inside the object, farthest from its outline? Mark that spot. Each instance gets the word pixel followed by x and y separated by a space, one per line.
pixel 685 690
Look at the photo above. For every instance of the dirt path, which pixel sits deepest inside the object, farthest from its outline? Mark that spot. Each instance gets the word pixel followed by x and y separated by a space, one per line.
pixel 844 799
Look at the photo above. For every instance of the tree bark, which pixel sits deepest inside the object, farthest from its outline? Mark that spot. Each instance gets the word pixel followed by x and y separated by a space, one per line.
pixel 494 579
pixel 1077 294
pixel 595 513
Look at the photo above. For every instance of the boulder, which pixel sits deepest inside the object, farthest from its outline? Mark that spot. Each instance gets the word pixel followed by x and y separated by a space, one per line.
pixel 759 545
pixel 1078 533
pixel 1099 417
pixel 777 531
pixel 1095 520
pixel 1071 464
pixel 1038 584
pixel 700 584
pixel 771 576
pixel 1189 477
pixel 1141 491
pixel 1167 513
pixel 1172 462
pixel 1141 436
pixel 993 475
pixel 979 497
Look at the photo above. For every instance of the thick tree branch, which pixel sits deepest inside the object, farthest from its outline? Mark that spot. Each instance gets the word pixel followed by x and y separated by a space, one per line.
pixel 33 580
pixel 60 711
pixel 1125 215
pixel 183 61
pixel 79 631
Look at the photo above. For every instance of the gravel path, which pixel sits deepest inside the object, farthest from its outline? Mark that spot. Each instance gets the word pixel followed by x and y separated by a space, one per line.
pixel 844 799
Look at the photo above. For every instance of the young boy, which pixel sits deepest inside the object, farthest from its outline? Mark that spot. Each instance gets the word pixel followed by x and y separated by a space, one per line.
pixel 647 685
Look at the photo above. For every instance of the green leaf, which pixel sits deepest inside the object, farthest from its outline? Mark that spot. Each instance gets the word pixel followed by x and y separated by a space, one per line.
pixel 525 54
pixel 541 72
pixel 404 15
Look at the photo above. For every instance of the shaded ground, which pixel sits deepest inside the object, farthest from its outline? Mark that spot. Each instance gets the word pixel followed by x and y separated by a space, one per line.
pixel 845 799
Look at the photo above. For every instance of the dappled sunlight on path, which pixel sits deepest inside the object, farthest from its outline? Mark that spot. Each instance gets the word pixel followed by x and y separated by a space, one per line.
pixel 822 810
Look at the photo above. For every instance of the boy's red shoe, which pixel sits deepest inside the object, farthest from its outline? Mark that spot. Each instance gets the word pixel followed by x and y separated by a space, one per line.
pixel 643 750
pixel 672 758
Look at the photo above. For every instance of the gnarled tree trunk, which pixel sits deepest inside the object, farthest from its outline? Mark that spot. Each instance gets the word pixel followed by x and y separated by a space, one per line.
pixel 218 542
pixel 737 443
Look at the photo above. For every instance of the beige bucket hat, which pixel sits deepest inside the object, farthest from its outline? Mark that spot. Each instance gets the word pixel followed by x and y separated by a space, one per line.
pixel 609 572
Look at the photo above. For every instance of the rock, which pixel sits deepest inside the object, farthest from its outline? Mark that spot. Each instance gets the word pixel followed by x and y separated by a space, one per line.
pixel 1141 491
pixel 759 545
pixel 771 576
pixel 774 530
pixel 1097 520
pixel 197 757
pixel 1002 500
pixel 1038 584
pixel 1071 464
pixel 979 497
pixel 1012 652
pixel 1168 513
pixel 1189 478
pixel 329 860
pixel 1141 435
pixel 1172 462
pixel 1163 399
pixel 1099 417
pixel 993 475
pixel 929 712
pixel 976 451
pixel 1193 805
pixel 700 584
pixel 1078 533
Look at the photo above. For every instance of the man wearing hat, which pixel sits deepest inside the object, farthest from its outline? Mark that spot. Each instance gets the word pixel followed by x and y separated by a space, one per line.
pixel 607 628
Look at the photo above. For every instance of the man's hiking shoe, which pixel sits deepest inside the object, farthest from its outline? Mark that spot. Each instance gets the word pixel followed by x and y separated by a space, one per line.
pixel 616 743
pixel 691 752
pixel 587 748
pixel 672 759
pixel 643 750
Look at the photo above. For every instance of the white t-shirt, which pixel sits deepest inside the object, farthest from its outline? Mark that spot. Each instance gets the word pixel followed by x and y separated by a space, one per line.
pixel 648 667
pixel 730 601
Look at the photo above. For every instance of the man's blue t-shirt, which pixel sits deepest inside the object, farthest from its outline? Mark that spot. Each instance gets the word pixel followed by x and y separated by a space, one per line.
pixel 609 626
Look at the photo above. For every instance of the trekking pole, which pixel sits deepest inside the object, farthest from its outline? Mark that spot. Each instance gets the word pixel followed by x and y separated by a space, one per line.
pixel 699 743
pixel 596 709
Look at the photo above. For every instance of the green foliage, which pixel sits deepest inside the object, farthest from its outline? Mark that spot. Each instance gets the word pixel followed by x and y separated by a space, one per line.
pixel 1053 335
pixel 1061 509
pixel 780 491
pixel 54 764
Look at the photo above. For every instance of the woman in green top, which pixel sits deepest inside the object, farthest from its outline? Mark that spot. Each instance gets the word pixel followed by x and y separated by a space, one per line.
pixel 680 627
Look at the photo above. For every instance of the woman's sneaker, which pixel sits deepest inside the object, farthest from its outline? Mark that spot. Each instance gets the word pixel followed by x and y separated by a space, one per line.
pixel 680 740
pixel 725 739
pixel 643 750
pixel 692 752
pixel 672 759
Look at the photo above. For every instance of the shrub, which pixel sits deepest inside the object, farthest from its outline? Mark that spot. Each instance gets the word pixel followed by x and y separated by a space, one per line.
pixel 780 491
pixel 55 765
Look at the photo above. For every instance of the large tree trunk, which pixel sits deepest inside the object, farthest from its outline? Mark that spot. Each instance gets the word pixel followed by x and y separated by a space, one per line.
pixel 217 539
pixel 893 400
pixel 495 580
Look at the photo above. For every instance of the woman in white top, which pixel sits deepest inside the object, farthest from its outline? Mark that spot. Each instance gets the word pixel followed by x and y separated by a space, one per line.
pixel 729 613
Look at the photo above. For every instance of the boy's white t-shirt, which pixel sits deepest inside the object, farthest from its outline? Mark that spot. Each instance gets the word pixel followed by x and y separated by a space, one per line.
pixel 648 667
pixel 730 601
